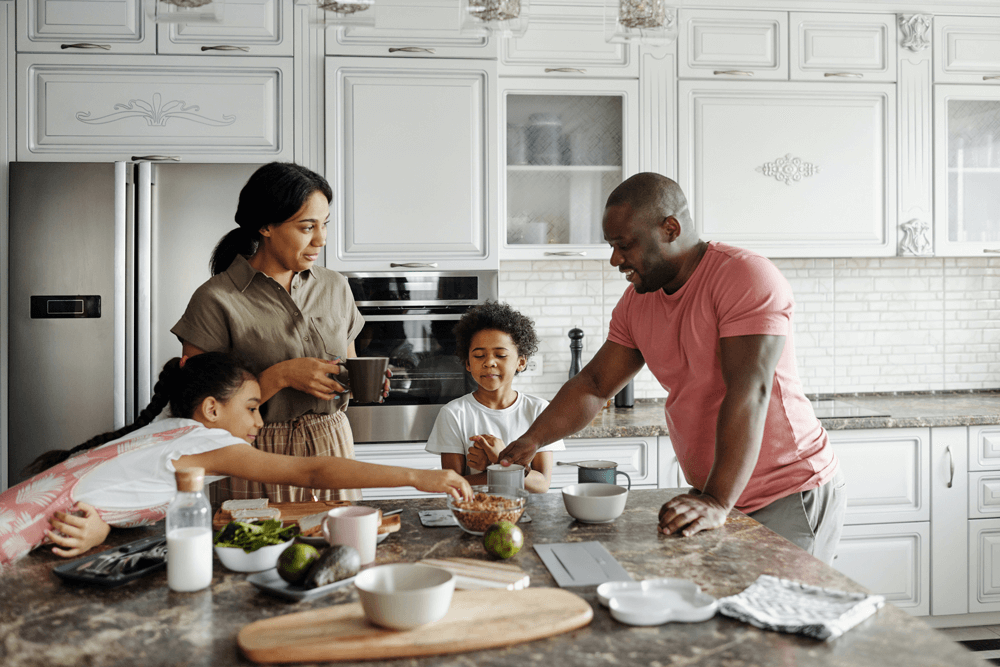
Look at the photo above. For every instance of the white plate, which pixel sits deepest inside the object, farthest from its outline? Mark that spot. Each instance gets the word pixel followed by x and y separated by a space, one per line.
pixel 657 601
pixel 271 582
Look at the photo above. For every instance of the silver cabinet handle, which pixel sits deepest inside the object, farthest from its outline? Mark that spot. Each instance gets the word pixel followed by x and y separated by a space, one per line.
pixel 226 47
pixel 565 69
pixel 413 265
pixel 735 72
pixel 991 249
pixel 86 45
pixel 988 77
pixel 566 253
pixel 951 465
pixel 156 158
pixel 850 74
pixel 410 49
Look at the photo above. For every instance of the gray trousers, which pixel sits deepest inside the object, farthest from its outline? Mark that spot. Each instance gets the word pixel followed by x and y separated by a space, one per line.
pixel 810 519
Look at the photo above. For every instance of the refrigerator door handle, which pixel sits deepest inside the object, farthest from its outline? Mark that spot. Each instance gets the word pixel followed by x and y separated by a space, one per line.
pixel 144 208
pixel 121 220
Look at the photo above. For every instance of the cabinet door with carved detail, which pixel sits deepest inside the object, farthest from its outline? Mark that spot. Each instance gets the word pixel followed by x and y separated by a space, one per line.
pixel 117 108
pixel 791 169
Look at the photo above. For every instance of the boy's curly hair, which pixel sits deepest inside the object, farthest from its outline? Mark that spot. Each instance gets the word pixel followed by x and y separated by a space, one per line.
pixel 499 316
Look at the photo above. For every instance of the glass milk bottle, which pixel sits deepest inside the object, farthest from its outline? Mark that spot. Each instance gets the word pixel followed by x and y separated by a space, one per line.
pixel 189 533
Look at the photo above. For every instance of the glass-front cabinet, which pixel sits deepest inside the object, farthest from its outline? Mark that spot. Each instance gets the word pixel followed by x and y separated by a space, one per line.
pixel 568 143
pixel 967 201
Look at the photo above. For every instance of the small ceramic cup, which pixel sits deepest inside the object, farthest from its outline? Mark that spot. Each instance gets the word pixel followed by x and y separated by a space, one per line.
pixel 511 476
pixel 366 377
pixel 601 472
pixel 355 526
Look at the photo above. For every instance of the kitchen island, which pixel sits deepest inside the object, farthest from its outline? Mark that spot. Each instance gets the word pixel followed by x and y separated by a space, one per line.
pixel 44 621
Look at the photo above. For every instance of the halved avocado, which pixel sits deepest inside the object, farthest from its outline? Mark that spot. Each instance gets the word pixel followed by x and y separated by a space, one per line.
pixel 337 562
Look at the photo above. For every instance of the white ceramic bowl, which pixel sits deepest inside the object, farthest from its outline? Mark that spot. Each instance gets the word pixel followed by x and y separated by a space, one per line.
pixel 262 559
pixel 657 601
pixel 405 595
pixel 595 503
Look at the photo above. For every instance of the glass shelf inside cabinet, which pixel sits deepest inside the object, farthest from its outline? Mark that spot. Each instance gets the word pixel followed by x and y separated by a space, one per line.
pixel 973 170
pixel 564 157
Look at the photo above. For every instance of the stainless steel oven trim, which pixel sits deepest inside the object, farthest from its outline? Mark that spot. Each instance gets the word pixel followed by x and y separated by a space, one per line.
pixel 433 303
pixel 410 318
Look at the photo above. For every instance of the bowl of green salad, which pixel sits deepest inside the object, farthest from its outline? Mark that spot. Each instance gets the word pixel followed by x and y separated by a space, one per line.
pixel 253 546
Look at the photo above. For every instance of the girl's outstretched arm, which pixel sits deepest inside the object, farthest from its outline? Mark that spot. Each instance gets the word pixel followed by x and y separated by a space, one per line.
pixel 321 472
pixel 75 533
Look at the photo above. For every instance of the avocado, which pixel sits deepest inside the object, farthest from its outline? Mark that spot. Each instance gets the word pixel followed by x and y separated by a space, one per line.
pixel 337 562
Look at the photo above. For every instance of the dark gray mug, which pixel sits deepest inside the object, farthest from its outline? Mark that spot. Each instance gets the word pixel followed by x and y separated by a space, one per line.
pixel 602 472
pixel 365 377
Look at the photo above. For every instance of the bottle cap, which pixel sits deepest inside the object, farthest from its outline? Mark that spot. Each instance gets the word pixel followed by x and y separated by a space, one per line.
pixel 190 479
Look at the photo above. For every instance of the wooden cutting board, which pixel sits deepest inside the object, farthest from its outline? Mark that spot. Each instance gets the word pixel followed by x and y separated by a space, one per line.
pixel 476 620
pixel 289 511
pixel 473 574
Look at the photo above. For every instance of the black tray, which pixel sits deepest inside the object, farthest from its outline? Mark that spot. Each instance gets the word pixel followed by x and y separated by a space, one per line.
pixel 72 572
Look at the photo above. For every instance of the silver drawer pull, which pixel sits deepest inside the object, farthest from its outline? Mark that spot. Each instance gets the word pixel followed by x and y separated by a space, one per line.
pixel 850 74
pixel 991 249
pixel 566 253
pixel 155 158
pixel 86 45
pixel 951 465
pixel 735 72
pixel 988 77
pixel 226 47
pixel 565 69
pixel 413 265
pixel 410 49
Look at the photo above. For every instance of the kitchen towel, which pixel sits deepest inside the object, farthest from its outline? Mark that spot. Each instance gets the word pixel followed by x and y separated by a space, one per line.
pixel 788 606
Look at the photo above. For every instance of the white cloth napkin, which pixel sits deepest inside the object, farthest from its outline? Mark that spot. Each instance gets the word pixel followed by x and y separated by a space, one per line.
pixel 788 606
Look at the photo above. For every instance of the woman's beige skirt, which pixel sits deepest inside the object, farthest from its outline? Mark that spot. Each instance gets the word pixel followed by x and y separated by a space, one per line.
pixel 309 435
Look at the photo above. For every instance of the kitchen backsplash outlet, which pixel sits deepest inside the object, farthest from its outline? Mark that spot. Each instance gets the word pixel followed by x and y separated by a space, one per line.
pixel 861 325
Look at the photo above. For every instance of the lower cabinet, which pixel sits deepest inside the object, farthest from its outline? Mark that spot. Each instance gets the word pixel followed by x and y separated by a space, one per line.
pixel 984 565
pixel 889 559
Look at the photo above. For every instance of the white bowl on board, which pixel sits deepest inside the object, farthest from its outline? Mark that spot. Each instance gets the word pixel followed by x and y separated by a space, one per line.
pixel 405 595
pixel 262 559
pixel 595 503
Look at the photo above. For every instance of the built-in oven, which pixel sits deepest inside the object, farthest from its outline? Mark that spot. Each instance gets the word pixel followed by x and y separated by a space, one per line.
pixel 410 317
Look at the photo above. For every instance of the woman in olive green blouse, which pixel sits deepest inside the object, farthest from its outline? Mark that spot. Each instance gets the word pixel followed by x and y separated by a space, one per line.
pixel 290 320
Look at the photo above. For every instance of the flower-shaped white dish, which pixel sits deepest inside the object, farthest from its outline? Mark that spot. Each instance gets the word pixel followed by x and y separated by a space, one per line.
pixel 657 601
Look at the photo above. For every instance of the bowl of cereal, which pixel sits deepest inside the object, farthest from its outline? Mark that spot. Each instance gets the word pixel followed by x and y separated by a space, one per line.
pixel 488 505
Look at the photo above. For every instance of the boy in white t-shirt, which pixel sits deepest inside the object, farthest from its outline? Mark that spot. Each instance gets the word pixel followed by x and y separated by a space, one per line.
pixel 494 341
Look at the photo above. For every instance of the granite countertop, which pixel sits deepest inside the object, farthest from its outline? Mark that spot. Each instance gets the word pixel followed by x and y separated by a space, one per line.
pixel 835 411
pixel 46 622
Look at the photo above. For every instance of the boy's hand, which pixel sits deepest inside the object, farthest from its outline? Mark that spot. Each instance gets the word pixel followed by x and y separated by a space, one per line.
pixel 476 458
pixel 490 444
pixel 78 533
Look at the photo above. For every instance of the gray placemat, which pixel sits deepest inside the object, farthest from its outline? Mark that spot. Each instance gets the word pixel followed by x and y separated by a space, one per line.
pixel 581 563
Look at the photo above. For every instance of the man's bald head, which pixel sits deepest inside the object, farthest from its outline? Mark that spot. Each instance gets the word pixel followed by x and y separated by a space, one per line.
pixel 653 197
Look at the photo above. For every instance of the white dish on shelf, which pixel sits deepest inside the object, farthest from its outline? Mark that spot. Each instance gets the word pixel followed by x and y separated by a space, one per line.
pixel 656 601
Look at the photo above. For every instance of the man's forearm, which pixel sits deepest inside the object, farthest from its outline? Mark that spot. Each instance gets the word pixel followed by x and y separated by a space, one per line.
pixel 576 404
pixel 739 432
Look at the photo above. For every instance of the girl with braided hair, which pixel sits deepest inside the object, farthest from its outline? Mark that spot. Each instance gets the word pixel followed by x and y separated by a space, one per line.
pixel 126 478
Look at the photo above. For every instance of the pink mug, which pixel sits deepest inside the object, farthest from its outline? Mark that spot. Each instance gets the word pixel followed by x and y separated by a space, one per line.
pixel 355 526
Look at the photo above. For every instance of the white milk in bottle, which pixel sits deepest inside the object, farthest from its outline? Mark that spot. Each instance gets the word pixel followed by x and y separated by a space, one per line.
pixel 189 533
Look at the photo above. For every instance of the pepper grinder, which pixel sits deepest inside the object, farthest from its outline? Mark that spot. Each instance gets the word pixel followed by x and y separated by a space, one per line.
pixel 575 351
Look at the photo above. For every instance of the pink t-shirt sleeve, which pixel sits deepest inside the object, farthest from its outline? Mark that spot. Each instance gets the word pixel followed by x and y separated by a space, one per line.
pixel 753 298
pixel 618 330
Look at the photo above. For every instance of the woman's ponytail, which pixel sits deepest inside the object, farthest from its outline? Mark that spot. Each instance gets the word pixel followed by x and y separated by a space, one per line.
pixel 240 241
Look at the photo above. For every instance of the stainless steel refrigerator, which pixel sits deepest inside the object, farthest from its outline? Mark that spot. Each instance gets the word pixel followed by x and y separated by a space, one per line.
pixel 103 259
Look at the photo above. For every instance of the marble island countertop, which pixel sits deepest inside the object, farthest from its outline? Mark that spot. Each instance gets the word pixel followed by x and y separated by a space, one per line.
pixel 836 412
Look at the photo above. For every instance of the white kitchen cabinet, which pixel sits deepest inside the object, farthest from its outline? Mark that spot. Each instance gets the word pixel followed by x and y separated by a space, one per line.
pixel 670 475
pixel 967 49
pixel 966 170
pixel 568 143
pixel 732 44
pixel 567 41
pixel 891 560
pixel 248 28
pixel 636 457
pixel 412 158
pixel 97 26
pixel 842 47
pixel 949 527
pixel 116 107
pixel 984 448
pixel 411 29
pixel 984 565
pixel 406 454
pixel 7 127
pixel 769 165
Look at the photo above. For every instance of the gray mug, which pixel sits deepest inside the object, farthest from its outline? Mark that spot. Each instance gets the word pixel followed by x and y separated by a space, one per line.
pixel 602 472
pixel 365 377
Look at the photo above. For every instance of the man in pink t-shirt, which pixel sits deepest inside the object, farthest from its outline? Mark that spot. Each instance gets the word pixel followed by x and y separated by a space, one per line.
pixel 713 324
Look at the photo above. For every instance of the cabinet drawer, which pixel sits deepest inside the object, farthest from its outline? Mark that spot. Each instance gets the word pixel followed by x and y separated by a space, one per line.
pixel 842 47
pixel 966 50
pixel 887 473
pixel 115 107
pixel 891 560
pixel 984 495
pixel 257 27
pixel 636 457
pixel 984 448
pixel 406 454
pixel 732 44
pixel 118 26
pixel 569 38
pixel 424 28
pixel 984 561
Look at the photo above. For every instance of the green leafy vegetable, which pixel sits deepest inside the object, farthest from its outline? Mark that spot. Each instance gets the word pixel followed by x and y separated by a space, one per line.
pixel 253 535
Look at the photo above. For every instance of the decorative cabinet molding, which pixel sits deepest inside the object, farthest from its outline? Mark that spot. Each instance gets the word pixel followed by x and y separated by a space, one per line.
pixel 915 157
pixel 984 558
pixel 251 27
pixel 114 107
pixel 967 49
pixel 98 26
pixel 915 29
pixel 729 44
pixel 411 155
pixel 636 457
pixel 984 448
pixel 762 142
pixel 914 239
pixel 891 560
pixel 566 41
pixel 658 112
pixel 842 47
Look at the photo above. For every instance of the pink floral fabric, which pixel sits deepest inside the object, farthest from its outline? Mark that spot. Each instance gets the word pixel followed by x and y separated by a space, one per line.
pixel 25 508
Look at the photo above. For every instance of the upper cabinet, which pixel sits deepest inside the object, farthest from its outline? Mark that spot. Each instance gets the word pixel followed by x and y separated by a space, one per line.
pixel 842 47
pixel 967 50
pixel 249 27
pixel 411 29
pixel 728 44
pixel 412 157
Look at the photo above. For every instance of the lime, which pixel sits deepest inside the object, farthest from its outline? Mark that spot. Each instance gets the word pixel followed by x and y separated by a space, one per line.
pixel 503 539
pixel 294 562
